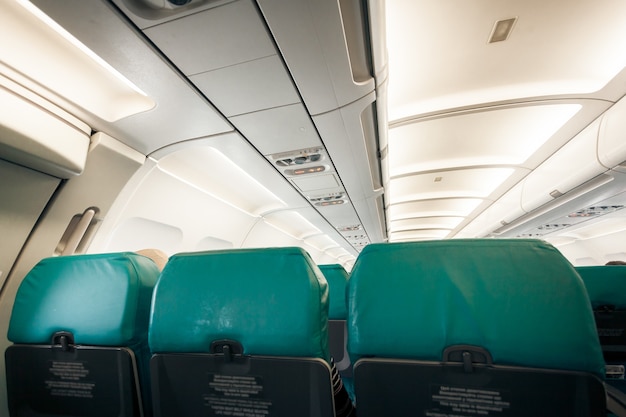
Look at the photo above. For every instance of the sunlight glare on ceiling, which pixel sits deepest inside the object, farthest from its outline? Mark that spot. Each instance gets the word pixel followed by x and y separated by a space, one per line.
pixel 197 166
pixel 426 208
pixel 470 183
pixel 440 58
pixel 61 68
pixel 503 136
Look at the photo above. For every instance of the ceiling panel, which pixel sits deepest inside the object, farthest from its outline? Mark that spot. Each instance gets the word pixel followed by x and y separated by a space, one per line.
pixel 316 183
pixel 215 38
pixel 279 129
pixel 555 48
pixel 247 87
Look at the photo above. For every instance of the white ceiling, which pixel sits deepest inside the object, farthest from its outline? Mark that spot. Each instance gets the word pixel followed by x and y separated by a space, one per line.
pixel 469 119
pixel 425 129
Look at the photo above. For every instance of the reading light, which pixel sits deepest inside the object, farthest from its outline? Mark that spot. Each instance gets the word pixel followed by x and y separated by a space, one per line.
pixel 497 75
pixel 62 69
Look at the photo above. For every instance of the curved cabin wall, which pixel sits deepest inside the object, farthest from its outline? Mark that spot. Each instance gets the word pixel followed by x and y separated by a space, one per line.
pixel 109 166
pixel 196 196
pixel 40 144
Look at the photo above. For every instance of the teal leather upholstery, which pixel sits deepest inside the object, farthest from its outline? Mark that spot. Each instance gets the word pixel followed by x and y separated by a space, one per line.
pixel 337 279
pixel 256 318
pixel 519 299
pixel 103 300
pixel 606 284
pixel 273 301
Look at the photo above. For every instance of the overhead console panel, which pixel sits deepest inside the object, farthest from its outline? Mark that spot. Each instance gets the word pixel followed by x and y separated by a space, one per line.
pixel 327 46
pixel 297 80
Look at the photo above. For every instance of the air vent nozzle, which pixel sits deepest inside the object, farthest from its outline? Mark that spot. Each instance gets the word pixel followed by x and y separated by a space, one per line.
pixel 328 197
pixel 299 160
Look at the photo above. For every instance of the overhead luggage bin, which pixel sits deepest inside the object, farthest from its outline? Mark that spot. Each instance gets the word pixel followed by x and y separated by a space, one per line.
pixel 37 138
pixel 611 143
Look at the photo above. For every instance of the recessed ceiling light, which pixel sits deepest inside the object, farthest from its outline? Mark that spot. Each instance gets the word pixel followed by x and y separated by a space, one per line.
pixel 501 30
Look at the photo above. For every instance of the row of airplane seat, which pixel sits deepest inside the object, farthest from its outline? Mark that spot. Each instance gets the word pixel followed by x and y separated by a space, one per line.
pixel 606 286
pixel 458 327
pixel 237 332
pixel 261 315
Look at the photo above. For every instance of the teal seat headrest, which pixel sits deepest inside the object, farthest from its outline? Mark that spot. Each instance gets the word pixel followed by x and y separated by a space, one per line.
pixel 102 300
pixel 518 298
pixel 606 284
pixel 337 279
pixel 273 301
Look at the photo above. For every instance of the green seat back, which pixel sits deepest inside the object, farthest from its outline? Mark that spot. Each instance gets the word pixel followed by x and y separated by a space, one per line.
pixel 103 300
pixel 337 279
pixel 273 301
pixel 606 284
pixel 519 299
